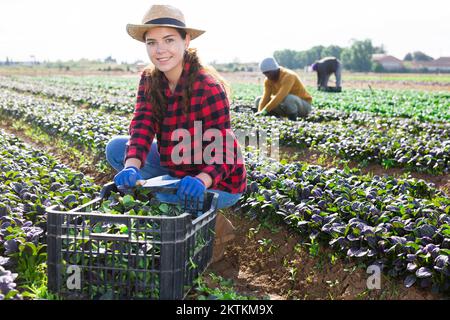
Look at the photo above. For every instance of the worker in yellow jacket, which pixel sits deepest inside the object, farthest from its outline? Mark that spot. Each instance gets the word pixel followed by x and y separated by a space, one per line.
pixel 284 94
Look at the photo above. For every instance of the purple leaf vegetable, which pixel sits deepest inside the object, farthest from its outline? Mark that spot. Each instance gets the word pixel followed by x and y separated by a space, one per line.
pixel 440 262
pixel 410 280
pixel 423 273
pixel 411 267
pixel 7 281
pixel 11 246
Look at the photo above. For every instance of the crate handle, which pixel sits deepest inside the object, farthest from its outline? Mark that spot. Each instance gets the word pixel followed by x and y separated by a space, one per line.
pixel 108 237
pixel 107 189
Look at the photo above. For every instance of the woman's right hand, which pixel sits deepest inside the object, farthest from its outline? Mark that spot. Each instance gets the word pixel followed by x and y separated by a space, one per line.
pixel 127 177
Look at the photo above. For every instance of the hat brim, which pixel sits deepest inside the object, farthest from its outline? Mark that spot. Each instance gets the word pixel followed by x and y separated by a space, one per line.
pixel 137 31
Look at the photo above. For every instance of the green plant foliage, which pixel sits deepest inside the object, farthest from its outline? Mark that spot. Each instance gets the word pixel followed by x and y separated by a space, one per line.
pixel 400 224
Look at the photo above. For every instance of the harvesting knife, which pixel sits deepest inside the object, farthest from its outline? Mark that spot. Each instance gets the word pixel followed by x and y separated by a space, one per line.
pixel 156 182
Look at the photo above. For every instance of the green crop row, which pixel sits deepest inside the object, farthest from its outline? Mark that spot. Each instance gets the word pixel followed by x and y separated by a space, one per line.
pixel 118 94
pixel 94 95
pixel 424 106
pixel 89 128
pixel 423 147
pixel 403 143
pixel 400 225
pixel 30 182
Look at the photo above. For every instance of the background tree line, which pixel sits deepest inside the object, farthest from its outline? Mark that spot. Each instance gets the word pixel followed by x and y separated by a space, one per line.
pixel 358 57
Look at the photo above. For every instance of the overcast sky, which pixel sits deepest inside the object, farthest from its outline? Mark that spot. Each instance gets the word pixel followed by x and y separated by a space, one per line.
pixel 236 29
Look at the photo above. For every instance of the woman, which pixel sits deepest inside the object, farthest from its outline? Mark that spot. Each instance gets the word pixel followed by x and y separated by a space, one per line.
pixel 176 96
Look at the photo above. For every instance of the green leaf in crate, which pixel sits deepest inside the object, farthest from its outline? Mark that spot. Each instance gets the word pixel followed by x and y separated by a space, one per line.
pixel 164 208
pixel 106 206
pixel 128 201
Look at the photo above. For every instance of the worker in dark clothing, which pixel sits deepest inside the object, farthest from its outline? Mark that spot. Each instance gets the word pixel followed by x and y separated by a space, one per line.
pixel 324 68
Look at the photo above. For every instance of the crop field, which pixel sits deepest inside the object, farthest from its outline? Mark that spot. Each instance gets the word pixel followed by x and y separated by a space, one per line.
pixel 363 182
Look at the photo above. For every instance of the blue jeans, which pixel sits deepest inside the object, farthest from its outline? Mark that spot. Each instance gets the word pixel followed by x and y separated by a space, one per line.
pixel 115 155
pixel 291 107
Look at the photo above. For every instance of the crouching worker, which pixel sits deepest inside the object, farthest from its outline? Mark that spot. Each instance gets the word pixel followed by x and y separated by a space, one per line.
pixel 325 68
pixel 284 94
pixel 178 97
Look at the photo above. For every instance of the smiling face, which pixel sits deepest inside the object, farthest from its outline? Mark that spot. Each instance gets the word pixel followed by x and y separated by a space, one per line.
pixel 165 48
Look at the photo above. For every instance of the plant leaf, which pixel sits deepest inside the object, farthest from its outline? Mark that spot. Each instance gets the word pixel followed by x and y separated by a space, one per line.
pixel 423 273
pixel 410 280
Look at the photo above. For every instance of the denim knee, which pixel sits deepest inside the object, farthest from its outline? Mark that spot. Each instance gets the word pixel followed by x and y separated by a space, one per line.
pixel 115 151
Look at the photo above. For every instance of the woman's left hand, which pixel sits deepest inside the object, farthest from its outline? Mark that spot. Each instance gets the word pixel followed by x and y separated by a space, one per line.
pixel 191 187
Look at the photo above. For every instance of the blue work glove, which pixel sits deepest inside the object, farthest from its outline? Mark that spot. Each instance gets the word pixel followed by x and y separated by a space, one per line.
pixel 127 177
pixel 191 187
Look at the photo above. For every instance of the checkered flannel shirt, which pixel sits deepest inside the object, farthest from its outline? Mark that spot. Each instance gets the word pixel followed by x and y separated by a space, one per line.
pixel 208 104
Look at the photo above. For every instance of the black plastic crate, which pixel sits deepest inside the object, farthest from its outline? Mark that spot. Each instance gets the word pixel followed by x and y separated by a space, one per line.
pixel 105 256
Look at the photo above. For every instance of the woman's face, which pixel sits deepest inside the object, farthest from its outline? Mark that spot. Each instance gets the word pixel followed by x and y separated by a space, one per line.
pixel 165 48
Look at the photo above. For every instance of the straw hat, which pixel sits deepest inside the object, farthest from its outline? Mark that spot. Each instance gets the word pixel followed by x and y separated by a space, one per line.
pixel 161 16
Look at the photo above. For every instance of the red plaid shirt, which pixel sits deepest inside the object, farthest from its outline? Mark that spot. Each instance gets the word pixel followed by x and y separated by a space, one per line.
pixel 210 106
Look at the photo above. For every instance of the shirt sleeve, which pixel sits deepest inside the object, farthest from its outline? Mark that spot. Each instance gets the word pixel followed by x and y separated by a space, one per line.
pixel 217 116
pixel 141 129
pixel 266 96
pixel 286 86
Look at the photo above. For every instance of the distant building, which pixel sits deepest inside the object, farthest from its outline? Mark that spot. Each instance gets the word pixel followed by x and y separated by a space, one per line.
pixel 388 62
pixel 441 64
